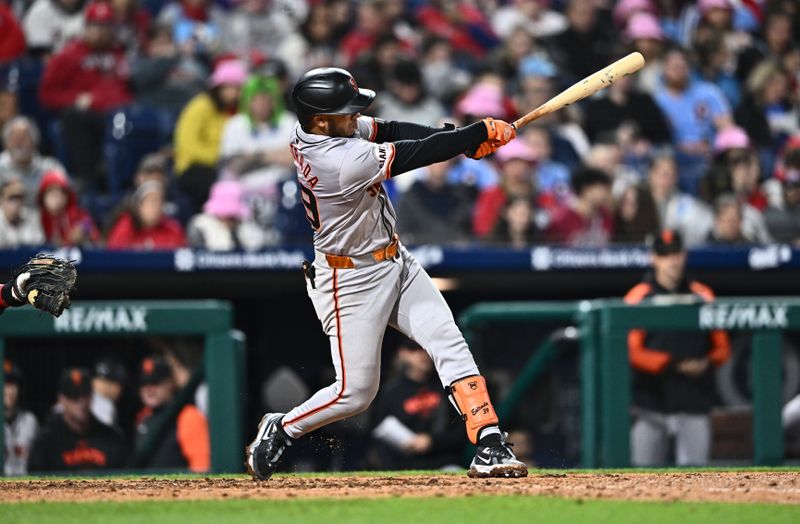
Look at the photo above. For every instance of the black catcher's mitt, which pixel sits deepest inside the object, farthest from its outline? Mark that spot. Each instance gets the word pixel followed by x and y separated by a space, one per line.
pixel 48 283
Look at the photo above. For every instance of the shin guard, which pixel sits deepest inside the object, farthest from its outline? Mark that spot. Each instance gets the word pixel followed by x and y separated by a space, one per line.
pixel 471 399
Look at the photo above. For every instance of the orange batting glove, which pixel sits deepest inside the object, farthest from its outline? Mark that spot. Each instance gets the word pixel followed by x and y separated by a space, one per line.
pixel 500 133
pixel 486 148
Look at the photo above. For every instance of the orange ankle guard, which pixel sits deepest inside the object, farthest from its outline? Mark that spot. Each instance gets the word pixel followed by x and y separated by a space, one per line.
pixel 472 401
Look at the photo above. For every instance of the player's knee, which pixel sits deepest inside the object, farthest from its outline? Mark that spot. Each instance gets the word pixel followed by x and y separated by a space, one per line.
pixel 359 397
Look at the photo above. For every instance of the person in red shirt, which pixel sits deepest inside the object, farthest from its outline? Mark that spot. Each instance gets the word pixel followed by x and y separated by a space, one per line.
pixel 64 222
pixel 145 226
pixel 12 39
pixel 83 82
pixel 586 220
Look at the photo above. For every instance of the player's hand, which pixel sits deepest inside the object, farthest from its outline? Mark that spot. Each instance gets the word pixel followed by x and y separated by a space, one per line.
pixel 693 367
pixel 483 150
pixel 499 132
pixel 420 444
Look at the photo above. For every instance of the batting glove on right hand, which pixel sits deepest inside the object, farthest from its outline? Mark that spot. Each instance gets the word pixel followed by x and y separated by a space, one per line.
pixel 499 132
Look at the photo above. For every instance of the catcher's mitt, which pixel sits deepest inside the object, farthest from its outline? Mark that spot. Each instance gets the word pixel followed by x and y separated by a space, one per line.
pixel 46 282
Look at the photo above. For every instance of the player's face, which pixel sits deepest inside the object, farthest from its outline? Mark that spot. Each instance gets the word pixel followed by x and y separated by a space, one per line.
pixel 76 410
pixel 339 125
pixel 10 397
pixel 669 268
pixel 155 395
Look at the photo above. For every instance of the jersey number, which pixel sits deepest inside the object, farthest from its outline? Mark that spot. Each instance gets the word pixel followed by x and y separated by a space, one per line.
pixel 310 203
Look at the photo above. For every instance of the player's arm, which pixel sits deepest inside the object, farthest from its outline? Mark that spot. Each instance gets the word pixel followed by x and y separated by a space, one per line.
pixel 444 145
pixel 392 131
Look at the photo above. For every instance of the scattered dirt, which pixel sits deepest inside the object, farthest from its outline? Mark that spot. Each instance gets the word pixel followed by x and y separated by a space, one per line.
pixel 772 487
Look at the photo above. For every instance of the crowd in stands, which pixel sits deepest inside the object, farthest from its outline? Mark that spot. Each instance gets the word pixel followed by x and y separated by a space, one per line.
pixel 154 124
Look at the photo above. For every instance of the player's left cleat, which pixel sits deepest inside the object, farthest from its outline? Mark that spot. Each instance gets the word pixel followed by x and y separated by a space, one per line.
pixel 497 461
pixel 263 454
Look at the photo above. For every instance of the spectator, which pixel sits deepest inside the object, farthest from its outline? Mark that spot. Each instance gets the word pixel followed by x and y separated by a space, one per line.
pixel 517 161
pixel 586 221
pixel 196 24
pixel 198 134
pixel 415 426
pixel 64 222
pixel 407 99
pixel 767 111
pixel 256 139
pixel 9 78
pixel 224 224
pixel 50 24
pixel 635 217
pixel 21 158
pixel 19 225
pixel 507 58
pixel 695 110
pixel 677 211
pixel 108 384
pixel 12 39
pixel 83 82
pixel 370 24
pixel 714 59
pixel 644 34
pixel 443 77
pixel 145 226
pixel 132 25
pixel 777 40
pixel 20 426
pixel 673 381
pixel 317 47
pixel 434 210
pixel 531 15
pixel 784 221
pixel 552 176
pixel 516 227
pixel 462 23
pixel 186 443
pixel 727 222
pixel 166 75
pixel 585 46
pixel 73 439
pixel 265 27
pixel 633 117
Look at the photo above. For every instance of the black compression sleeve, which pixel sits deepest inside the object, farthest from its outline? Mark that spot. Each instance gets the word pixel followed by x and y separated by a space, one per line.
pixel 391 131
pixel 441 146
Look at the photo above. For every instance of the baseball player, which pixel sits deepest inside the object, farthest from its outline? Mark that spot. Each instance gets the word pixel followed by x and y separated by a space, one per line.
pixel 362 278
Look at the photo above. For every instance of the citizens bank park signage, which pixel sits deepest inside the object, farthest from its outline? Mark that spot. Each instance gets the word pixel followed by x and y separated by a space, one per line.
pixel 744 316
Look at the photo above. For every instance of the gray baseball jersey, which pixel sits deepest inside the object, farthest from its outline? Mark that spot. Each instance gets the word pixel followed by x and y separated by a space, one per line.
pixel 340 180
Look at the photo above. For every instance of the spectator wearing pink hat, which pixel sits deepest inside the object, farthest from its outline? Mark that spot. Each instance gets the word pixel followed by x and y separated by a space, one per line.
pixel 517 179
pixel 643 33
pixel 484 98
pixel 198 133
pixel 224 224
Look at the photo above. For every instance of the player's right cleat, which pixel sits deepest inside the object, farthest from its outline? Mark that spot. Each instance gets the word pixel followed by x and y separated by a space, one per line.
pixel 497 461
pixel 263 454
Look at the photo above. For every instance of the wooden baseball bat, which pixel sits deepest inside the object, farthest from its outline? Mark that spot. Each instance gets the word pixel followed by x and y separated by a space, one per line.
pixel 588 86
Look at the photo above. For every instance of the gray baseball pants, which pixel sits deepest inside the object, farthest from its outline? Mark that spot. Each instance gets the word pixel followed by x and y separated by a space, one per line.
pixel 354 307
pixel 651 432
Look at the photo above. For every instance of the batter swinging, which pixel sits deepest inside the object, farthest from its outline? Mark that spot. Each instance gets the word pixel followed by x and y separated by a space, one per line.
pixel 362 278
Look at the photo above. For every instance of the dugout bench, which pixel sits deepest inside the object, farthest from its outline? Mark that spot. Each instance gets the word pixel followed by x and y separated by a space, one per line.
pixel 605 369
pixel 223 357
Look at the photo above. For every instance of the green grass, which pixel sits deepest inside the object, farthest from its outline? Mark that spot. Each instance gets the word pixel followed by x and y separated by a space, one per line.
pixel 500 510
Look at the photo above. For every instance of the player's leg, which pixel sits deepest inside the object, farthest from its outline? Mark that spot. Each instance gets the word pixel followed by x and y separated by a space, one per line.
pixel 422 314
pixel 353 307
pixel 692 440
pixel 649 439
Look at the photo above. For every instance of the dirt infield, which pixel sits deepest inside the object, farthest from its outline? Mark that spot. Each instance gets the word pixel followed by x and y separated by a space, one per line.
pixel 772 487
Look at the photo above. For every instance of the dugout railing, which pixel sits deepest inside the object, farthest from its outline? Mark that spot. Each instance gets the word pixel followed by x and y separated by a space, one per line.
pixel 605 369
pixel 223 355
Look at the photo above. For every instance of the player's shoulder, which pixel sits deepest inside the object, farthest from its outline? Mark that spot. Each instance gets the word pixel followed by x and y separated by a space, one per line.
pixel 638 293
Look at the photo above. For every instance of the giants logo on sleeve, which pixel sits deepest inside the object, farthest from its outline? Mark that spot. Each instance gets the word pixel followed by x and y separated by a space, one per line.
pixel 384 154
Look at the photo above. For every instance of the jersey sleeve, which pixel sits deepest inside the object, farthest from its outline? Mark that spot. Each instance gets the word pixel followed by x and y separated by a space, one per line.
pixel 364 164
pixel 367 128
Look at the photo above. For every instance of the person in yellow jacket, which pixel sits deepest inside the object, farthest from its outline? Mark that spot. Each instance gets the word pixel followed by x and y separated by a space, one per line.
pixel 198 133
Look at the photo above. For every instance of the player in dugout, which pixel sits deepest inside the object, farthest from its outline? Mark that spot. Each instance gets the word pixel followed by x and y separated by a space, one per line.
pixel 73 439
pixel 362 278
pixel 673 381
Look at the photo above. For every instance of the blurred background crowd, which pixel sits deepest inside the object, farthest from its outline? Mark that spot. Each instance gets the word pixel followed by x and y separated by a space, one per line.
pixel 150 124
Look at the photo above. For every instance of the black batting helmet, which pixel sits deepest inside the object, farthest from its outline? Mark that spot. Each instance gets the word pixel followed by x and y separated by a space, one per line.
pixel 329 91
